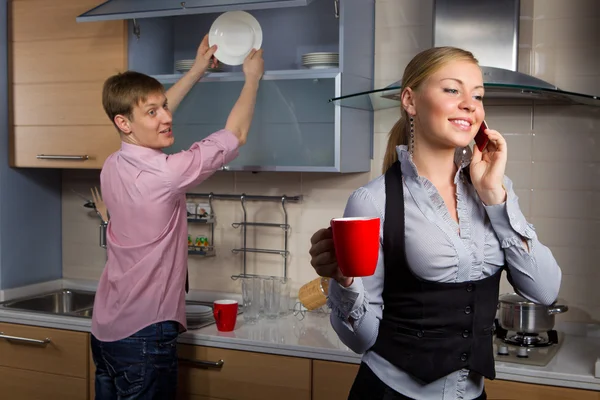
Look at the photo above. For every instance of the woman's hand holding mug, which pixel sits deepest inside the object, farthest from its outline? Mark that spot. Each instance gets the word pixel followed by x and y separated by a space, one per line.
pixel 323 259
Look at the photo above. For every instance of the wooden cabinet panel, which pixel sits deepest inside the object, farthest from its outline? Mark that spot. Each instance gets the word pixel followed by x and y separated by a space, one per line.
pixel 508 390
pixel 31 385
pixel 52 20
pixel 91 373
pixel 73 60
pixel 332 380
pixel 244 375
pixel 66 354
pixel 64 104
pixel 97 142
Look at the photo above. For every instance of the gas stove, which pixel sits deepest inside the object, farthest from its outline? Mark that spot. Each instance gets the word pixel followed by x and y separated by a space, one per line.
pixel 526 348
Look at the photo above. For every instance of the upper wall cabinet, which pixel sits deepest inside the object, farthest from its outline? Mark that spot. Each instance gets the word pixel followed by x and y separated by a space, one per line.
pixel 56 71
pixel 128 9
pixel 296 127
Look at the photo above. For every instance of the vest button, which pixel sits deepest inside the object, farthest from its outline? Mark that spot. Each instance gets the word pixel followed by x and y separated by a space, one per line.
pixel 468 310
pixel 420 334
pixel 463 357
pixel 470 287
pixel 465 333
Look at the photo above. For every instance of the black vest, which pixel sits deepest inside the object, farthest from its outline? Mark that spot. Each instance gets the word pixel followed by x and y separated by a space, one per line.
pixel 431 329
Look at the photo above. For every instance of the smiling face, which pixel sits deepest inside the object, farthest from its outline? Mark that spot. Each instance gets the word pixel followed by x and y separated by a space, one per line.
pixel 150 124
pixel 447 107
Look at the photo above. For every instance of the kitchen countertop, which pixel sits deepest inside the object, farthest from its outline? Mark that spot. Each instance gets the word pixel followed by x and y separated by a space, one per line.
pixel 310 335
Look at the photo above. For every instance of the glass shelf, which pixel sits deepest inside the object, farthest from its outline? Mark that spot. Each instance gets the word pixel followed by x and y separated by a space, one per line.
pixel 315 73
pixel 389 97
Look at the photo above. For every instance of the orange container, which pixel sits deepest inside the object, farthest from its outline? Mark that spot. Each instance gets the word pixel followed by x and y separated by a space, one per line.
pixel 313 294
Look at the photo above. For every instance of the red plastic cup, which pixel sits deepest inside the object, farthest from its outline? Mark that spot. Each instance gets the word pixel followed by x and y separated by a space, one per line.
pixel 356 245
pixel 225 313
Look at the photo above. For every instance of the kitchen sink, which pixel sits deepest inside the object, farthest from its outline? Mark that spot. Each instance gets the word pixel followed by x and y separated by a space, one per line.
pixel 63 302
pixel 79 303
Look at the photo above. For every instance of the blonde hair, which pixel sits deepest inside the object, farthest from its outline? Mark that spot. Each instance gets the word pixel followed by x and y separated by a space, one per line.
pixel 421 67
pixel 123 91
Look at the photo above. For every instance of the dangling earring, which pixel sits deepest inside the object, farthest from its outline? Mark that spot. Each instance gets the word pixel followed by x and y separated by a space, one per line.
pixel 411 139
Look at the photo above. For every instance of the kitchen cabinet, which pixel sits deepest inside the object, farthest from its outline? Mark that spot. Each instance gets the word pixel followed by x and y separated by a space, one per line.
pixel 332 380
pixel 295 127
pixel 242 375
pixel 509 390
pixel 56 71
pixel 43 363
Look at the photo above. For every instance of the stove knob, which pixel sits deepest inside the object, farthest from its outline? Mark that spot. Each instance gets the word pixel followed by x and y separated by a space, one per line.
pixel 503 350
pixel 522 352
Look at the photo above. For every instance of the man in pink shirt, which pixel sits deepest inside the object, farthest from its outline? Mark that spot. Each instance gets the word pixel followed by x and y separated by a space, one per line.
pixel 139 309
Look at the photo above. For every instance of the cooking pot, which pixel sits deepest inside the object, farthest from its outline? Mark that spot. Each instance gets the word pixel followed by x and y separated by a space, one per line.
pixel 521 315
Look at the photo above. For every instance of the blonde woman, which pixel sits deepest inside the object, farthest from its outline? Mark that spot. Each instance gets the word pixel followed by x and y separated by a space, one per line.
pixel 451 223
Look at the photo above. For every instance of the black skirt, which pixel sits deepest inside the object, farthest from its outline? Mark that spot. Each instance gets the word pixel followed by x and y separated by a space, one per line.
pixel 367 386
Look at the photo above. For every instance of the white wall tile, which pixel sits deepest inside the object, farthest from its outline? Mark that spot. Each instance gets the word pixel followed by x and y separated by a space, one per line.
pixel 554 162
pixel 561 204
pixel 565 176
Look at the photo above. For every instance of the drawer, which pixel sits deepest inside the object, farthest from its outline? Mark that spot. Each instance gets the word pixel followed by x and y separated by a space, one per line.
pixel 97 142
pixel 72 60
pixel 243 375
pixel 66 353
pixel 59 104
pixel 332 380
pixel 30 385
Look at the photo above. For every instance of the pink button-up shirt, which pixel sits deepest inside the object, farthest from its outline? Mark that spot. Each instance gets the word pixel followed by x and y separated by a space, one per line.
pixel 143 281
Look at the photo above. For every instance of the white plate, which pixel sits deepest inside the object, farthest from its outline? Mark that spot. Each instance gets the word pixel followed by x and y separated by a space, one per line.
pixel 235 33
pixel 197 309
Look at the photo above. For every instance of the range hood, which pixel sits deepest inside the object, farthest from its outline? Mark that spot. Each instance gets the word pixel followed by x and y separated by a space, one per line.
pixel 130 9
pixel 490 30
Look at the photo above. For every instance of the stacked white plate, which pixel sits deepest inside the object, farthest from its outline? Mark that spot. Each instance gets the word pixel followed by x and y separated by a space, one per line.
pixel 193 311
pixel 183 65
pixel 321 60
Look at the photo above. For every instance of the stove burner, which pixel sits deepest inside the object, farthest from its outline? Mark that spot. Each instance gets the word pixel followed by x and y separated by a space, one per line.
pixel 526 339
pixel 529 340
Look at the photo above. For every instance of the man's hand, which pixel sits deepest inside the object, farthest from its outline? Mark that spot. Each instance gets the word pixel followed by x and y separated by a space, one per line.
pixel 205 56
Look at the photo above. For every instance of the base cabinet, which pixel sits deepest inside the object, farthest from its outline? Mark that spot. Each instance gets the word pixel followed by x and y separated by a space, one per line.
pixel 332 380
pixel 214 373
pixel 509 390
pixel 47 364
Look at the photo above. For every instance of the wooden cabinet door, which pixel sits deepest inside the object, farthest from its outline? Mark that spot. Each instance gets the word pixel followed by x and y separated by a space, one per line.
pixel 243 375
pixel 23 384
pixel 42 363
pixel 332 380
pixel 57 68
pixel 509 390
pixel 65 352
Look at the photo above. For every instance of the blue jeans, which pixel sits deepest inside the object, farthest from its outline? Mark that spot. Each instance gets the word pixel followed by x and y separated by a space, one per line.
pixel 141 366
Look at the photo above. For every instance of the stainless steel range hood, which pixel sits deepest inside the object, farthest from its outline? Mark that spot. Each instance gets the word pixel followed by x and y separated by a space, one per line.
pixel 490 30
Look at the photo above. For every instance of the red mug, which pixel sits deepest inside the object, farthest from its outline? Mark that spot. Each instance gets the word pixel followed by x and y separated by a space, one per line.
pixel 356 242
pixel 225 313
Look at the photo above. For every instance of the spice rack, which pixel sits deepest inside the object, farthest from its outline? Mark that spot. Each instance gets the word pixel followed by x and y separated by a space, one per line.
pixel 194 218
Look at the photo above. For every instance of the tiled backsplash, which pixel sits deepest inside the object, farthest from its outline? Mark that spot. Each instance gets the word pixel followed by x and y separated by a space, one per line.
pixel 554 161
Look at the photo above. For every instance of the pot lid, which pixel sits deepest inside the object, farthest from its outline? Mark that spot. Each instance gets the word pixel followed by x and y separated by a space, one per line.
pixel 514 298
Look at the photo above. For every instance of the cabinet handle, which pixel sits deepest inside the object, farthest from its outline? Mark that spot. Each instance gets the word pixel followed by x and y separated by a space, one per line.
pixel 203 364
pixel 42 343
pixel 61 157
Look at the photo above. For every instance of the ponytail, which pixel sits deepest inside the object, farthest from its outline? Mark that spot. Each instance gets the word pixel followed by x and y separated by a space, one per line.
pixel 397 136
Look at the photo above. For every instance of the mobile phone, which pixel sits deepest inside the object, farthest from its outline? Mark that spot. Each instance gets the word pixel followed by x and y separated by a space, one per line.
pixel 481 139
